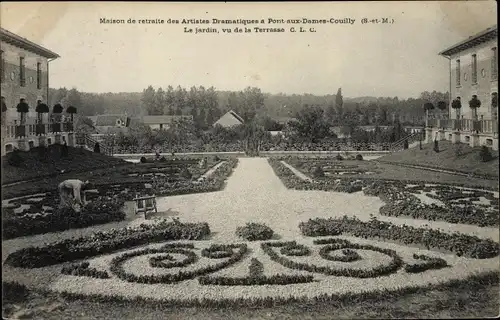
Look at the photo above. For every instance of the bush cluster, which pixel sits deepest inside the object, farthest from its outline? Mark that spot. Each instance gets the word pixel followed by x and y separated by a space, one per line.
pixel 97 212
pixel 254 231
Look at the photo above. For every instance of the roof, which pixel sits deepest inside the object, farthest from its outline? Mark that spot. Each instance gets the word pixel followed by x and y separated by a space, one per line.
pixel 108 119
pixel 229 119
pixel 26 44
pixel 163 119
pixel 478 38
pixel 110 129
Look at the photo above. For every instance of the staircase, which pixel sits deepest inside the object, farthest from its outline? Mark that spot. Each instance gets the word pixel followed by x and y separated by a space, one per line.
pixel 412 138
pixel 85 140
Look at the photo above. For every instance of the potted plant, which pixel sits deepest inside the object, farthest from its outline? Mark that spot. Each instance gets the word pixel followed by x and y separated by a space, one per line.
pixel 56 111
pixel 40 109
pixel 23 108
pixel 474 104
pixel 71 110
pixel 457 105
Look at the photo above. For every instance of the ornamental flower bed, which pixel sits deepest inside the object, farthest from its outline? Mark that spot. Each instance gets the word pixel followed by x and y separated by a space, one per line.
pixel 400 201
pixel 460 244
pixel 291 181
pixel 105 242
pixel 395 263
pixel 97 212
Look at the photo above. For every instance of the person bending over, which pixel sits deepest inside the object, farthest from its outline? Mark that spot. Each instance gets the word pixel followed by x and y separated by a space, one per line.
pixel 71 192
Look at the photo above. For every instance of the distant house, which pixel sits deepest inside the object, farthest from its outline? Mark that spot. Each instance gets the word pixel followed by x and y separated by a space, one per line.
pixel 162 122
pixel 229 119
pixel 110 123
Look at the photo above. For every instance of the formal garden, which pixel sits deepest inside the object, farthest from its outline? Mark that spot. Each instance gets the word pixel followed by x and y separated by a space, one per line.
pixel 251 232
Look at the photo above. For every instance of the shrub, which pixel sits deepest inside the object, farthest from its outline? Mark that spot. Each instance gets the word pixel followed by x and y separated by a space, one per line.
pixel 15 159
pixel 186 174
pixel 318 172
pixel 254 231
pixel 96 212
pixel 163 159
pixel 359 157
pixel 13 292
pixel 144 160
pixel 485 154
pixel 339 157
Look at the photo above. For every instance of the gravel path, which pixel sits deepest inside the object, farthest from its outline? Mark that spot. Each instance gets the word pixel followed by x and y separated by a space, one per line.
pixel 297 172
pixel 211 171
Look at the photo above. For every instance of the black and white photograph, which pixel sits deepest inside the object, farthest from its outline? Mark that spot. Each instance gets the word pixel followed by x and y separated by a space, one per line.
pixel 250 160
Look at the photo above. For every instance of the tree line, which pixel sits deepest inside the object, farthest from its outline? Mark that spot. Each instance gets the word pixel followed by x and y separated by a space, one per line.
pixel 207 105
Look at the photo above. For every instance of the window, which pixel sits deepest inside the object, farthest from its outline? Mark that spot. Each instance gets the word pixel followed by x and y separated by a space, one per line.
pixel 458 72
pixel 474 69
pixel 494 65
pixel 39 75
pixel 22 75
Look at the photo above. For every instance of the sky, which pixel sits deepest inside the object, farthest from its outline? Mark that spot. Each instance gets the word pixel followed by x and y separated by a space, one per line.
pixel 384 60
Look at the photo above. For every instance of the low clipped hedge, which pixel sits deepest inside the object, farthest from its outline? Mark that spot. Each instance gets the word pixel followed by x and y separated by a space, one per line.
pixel 255 277
pixel 105 242
pixel 470 283
pixel 395 264
pixel 82 269
pixel 255 231
pixel 429 263
pixel 118 270
pixel 460 244
pixel 97 212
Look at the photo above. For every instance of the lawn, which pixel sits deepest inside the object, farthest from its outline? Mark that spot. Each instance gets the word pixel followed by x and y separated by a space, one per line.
pixel 458 157
pixel 34 164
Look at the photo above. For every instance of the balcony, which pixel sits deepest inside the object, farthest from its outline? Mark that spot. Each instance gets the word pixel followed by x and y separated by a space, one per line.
pixel 20 131
pixel 68 127
pixel 39 129
pixel 469 125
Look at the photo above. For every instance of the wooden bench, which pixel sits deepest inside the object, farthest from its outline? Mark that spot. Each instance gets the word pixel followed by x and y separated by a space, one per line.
pixel 145 204
pixel 87 192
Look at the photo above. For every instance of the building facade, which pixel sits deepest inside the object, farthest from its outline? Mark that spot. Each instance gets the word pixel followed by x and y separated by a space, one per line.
pixel 25 75
pixel 473 77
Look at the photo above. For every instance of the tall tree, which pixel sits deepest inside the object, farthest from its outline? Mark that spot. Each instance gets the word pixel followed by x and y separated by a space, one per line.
pixel 148 100
pixel 159 102
pixel 339 103
pixel 310 124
